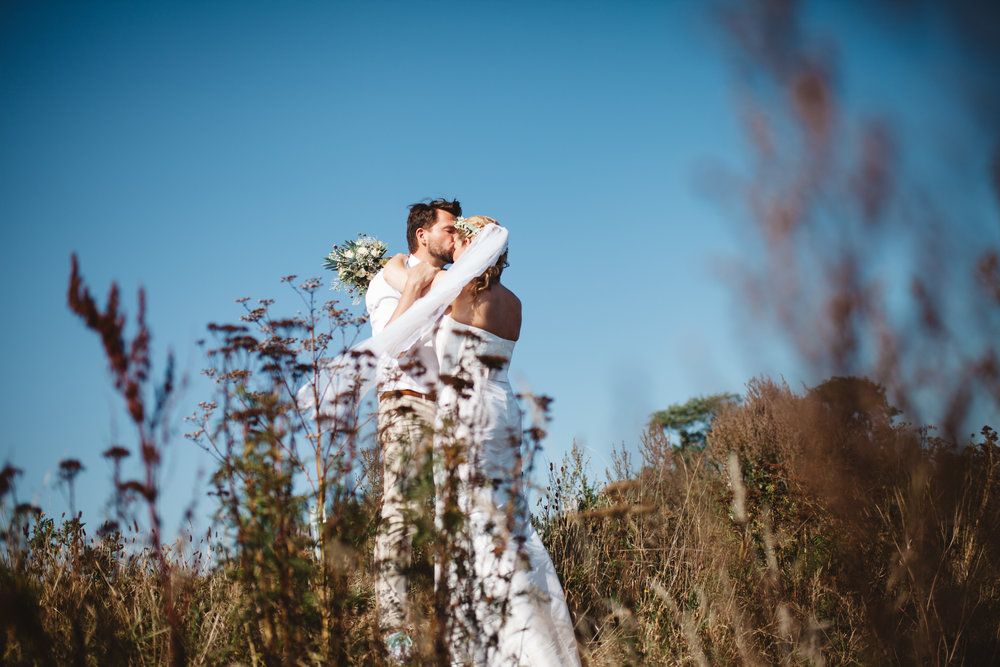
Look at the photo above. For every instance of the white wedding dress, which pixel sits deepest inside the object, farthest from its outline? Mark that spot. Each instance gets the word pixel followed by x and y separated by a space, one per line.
pixel 507 606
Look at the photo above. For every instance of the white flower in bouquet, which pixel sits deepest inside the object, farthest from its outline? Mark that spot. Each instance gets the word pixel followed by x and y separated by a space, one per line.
pixel 356 263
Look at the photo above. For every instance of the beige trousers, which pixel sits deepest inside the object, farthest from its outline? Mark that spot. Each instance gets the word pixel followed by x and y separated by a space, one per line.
pixel 405 428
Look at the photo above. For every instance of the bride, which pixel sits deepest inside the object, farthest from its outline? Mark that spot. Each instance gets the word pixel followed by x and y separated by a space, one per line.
pixel 507 606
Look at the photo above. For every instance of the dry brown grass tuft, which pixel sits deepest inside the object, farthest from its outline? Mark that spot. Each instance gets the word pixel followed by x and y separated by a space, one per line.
pixel 858 541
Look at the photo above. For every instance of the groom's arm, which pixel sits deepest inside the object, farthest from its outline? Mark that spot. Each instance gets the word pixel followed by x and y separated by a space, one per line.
pixel 380 302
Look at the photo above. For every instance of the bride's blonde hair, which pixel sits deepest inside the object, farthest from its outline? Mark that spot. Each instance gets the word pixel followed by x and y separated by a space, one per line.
pixel 468 227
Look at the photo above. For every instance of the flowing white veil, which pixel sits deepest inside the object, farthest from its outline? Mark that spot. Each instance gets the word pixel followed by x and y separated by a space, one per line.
pixel 345 380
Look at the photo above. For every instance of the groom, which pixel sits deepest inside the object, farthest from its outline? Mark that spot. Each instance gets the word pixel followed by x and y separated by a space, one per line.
pixel 406 413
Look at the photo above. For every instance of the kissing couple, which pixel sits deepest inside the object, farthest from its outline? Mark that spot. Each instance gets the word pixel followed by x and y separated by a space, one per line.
pixel 441 346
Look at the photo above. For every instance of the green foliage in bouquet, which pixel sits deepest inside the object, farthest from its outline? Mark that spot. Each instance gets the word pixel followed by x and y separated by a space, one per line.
pixel 356 263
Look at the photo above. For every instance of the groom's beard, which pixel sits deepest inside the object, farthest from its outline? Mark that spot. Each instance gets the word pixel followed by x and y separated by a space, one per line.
pixel 440 253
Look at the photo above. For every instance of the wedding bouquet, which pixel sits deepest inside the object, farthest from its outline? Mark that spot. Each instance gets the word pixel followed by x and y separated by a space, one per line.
pixel 356 263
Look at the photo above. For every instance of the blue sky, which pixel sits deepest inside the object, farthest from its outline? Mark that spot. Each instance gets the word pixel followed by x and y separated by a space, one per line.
pixel 204 150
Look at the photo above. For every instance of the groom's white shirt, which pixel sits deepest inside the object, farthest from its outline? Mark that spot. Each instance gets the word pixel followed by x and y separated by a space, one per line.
pixel 403 373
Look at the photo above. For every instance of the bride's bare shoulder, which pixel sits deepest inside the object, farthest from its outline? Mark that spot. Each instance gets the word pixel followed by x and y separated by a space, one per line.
pixel 509 296
pixel 507 310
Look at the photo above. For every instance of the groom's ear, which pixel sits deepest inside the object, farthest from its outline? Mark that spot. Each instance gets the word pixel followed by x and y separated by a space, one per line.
pixel 419 234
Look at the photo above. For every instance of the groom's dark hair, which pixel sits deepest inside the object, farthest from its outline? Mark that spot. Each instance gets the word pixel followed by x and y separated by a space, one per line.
pixel 423 215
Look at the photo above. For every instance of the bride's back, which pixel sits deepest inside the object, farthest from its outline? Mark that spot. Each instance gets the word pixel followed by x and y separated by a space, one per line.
pixel 496 309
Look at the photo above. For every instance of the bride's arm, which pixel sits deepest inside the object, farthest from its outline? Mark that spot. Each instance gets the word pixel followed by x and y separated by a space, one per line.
pixel 395 271
pixel 418 281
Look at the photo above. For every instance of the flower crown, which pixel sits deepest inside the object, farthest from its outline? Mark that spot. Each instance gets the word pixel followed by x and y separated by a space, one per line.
pixel 473 225
pixel 467 228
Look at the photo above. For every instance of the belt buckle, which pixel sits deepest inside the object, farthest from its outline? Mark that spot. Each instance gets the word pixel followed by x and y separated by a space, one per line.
pixel 397 393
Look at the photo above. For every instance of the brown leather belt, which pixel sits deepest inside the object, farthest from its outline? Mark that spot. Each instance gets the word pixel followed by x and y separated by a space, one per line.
pixel 397 393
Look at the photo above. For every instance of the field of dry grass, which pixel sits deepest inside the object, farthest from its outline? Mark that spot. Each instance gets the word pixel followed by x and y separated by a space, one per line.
pixel 808 529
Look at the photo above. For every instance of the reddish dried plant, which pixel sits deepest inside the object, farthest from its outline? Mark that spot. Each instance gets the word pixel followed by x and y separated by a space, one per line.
pixel 129 362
